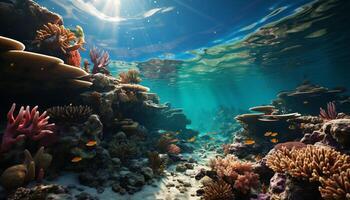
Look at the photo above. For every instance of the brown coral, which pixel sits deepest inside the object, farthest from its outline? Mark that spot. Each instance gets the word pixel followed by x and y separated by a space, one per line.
pixel 336 187
pixel 218 191
pixel 245 182
pixel 311 162
pixel 70 113
pixel 156 163
pixel 132 76
pixel 58 37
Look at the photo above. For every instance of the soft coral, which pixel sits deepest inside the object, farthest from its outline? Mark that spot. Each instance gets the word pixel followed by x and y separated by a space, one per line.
pixel 27 124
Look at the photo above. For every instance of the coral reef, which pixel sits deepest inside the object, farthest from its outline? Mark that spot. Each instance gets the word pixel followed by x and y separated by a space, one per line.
pixel 27 124
pixel 336 187
pixel 100 60
pixel 218 191
pixel 69 114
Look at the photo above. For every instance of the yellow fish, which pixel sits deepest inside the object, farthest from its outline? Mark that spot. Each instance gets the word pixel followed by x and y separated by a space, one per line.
pixel 249 142
pixel 76 159
pixel 192 139
pixel 274 140
pixel 268 133
pixel 91 143
pixel 274 134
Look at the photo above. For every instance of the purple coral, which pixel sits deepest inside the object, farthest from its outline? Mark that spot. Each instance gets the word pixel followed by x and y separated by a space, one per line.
pixel 278 183
pixel 100 59
pixel 331 112
pixel 27 124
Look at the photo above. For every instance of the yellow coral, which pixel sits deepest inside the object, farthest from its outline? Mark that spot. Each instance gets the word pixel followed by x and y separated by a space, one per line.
pixel 336 187
pixel 312 162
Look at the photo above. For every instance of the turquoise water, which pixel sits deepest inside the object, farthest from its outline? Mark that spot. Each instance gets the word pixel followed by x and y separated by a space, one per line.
pixel 310 44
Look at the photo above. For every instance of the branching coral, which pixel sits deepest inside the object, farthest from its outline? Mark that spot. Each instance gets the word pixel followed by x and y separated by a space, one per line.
pixel 336 187
pixel 331 112
pixel 100 59
pixel 27 124
pixel 131 76
pixel 218 191
pixel 311 163
pixel 57 36
pixel 70 113
pixel 235 172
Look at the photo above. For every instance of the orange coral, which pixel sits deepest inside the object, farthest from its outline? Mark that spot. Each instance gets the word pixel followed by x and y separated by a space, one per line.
pixel 247 181
pixel 131 76
pixel 58 37
pixel 218 191
pixel 336 187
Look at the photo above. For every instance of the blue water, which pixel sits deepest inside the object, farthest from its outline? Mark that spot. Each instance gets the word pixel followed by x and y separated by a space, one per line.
pixel 235 54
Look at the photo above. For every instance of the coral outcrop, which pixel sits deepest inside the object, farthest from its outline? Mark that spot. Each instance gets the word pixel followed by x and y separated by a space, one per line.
pixel 69 114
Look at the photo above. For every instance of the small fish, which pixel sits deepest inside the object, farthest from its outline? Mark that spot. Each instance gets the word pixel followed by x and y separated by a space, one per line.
pixel 249 142
pixel 274 140
pixel 76 159
pixel 305 102
pixel 91 143
pixel 192 139
pixel 274 134
pixel 268 133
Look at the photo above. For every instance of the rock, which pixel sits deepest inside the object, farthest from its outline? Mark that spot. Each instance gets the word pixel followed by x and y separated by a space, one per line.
pixel 134 179
pixel 85 196
pixel 187 184
pixel 278 183
pixel 181 167
pixel 200 174
pixel 59 197
pixel 147 173
pixel 206 180
pixel 189 165
pixel 200 192
pixel 169 185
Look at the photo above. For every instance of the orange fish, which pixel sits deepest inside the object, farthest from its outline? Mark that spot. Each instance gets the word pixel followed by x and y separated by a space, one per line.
pixel 268 133
pixel 274 134
pixel 76 159
pixel 91 143
pixel 274 140
pixel 249 142
pixel 192 139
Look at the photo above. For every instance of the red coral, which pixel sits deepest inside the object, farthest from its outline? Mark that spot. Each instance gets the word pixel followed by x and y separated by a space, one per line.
pixel 331 112
pixel 244 183
pixel 74 58
pixel 27 124
pixel 100 59
pixel 174 149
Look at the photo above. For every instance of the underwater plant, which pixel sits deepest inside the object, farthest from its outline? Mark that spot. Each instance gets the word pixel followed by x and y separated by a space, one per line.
pixel 132 76
pixel 27 124
pixel 100 59
pixel 156 163
pixel 219 190
pixel 69 114
pixel 331 112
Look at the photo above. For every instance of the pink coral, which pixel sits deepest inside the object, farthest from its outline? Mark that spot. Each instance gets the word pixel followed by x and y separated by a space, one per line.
pixel 246 182
pixel 27 124
pixel 100 59
pixel 174 149
pixel 331 112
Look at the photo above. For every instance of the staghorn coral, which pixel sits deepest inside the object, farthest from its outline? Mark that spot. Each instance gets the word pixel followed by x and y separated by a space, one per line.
pixel 311 162
pixel 56 36
pixel 156 163
pixel 218 191
pixel 132 76
pixel 27 124
pixel 336 187
pixel 100 59
pixel 69 114
pixel 331 112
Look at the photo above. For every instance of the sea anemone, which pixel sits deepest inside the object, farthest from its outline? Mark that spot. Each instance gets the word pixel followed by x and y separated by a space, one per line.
pixel 218 191
pixel 132 76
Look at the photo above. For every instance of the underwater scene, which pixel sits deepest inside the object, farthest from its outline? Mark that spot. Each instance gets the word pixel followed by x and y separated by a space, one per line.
pixel 174 100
